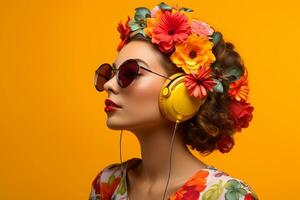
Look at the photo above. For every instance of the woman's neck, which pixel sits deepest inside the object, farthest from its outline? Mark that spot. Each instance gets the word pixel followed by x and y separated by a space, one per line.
pixel 155 143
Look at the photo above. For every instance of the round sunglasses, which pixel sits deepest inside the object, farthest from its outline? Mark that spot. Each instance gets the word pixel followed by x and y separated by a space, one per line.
pixel 126 73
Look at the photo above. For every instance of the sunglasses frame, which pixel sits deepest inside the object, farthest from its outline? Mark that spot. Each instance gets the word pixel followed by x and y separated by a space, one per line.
pixel 115 71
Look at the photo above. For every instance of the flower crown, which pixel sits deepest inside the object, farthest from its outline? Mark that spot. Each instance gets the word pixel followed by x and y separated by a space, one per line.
pixel 190 43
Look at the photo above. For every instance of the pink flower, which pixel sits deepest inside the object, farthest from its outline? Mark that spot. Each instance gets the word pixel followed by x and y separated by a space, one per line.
pixel 154 11
pixel 201 28
pixel 198 84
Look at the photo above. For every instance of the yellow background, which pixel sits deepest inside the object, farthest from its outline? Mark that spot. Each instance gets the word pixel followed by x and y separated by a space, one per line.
pixel 54 139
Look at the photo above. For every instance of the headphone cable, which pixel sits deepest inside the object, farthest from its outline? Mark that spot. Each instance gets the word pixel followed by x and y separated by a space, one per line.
pixel 121 146
pixel 170 158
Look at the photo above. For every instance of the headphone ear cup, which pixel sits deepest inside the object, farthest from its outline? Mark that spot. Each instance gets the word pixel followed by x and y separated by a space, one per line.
pixel 174 101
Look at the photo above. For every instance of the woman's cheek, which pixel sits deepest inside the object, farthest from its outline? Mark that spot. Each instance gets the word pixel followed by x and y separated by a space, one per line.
pixel 144 96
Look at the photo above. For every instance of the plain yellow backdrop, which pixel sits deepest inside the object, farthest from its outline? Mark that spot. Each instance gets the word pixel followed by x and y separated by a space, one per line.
pixel 54 138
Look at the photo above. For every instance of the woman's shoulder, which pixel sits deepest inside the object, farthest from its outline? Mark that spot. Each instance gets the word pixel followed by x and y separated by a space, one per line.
pixel 115 169
pixel 221 185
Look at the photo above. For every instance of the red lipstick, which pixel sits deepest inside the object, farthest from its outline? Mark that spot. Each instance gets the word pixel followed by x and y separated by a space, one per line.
pixel 110 105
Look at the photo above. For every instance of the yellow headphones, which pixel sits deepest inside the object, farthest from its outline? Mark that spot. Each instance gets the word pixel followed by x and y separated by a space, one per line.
pixel 174 101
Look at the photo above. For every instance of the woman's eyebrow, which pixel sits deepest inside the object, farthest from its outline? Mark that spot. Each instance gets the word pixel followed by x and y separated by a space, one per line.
pixel 142 61
pixel 137 59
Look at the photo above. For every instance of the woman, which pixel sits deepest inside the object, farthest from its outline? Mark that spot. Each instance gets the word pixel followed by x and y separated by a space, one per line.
pixel 175 83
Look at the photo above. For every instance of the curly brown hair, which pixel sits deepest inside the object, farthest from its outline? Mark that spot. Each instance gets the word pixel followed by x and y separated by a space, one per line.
pixel 212 122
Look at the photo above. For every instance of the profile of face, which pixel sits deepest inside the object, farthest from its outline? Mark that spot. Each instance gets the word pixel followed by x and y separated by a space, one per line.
pixel 140 100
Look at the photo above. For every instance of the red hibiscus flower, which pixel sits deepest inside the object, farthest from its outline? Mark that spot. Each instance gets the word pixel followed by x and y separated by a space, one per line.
pixel 171 28
pixel 241 113
pixel 124 33
pixel 225 143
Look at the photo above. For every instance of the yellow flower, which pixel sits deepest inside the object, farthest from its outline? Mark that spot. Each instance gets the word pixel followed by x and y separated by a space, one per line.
pixel 192 53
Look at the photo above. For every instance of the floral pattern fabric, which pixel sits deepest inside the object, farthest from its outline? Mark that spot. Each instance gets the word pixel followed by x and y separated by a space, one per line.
pixel 207 184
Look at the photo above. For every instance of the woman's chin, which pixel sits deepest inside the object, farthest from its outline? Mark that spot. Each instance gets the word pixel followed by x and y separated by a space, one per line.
pixel 114 125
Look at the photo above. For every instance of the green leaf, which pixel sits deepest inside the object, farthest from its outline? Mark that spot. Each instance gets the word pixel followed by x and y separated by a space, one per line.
pixel 231 195
pixel 232 184
pixel 228 74
pixel 140 31
pixel 133 25
pixel 186 9
pixel 121 189
pixel 141 13
pixel 233 73
pixel 111 179
pixel 216 66
pixel 216 37
pixel 164 6
pixel 234 190
pixel 242 191
pixel 214 192
pixel 219 86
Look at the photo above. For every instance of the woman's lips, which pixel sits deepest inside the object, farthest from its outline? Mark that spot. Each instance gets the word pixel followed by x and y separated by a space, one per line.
pixel 110 108
pixel 109 102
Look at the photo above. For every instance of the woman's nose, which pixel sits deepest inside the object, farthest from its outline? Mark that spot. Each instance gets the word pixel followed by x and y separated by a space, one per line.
pixel 111 85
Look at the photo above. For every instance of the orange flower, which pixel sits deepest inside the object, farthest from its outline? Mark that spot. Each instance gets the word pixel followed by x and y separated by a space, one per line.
pixel 194 52
pixel 239 89
pixel 152 23
pixel 192 188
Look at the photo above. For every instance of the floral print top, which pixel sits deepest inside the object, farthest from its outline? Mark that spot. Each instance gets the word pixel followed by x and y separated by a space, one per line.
pixel 207 184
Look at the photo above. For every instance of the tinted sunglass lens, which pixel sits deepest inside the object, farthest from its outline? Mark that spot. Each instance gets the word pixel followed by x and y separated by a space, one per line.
pixel 102 74
pixel 127 73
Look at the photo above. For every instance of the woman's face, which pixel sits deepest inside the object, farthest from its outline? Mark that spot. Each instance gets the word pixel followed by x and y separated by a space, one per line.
pixel 140 100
